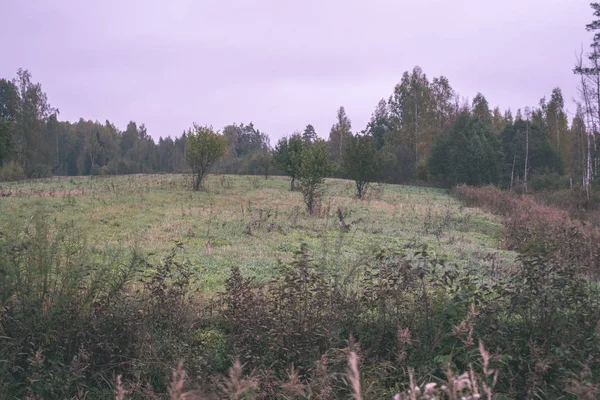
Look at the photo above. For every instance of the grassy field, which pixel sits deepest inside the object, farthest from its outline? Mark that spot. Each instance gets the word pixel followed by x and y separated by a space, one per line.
pixel 253 223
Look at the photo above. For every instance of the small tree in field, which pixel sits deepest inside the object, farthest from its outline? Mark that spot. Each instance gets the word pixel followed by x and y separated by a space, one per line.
pixel 288 156
pixel 313 169
pixel 361 162
pixel 265 161
pixel 205 146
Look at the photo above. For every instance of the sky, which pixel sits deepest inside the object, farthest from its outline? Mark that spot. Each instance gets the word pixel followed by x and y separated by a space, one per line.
pixel 282 64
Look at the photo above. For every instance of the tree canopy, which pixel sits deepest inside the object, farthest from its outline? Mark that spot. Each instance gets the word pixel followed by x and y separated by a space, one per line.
pixel 205 146
pixel 362 162
pixel 470 154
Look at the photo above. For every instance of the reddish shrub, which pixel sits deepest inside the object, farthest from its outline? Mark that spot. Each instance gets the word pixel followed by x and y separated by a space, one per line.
pixel 538 229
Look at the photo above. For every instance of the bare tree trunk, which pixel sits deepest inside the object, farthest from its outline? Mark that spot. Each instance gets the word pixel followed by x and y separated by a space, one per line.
pixel 416 134
pixel 588 168
pixel 527 112
pixel 590 128
pixel 512 174
pixel 557 131
pixel 57 154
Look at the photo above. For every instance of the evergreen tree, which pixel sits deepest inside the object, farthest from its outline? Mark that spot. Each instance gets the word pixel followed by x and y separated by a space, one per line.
pixel 481 109
pixel 309 135
pixel 9 105
pixel 380 124
pixel 542 156
pixel 470 154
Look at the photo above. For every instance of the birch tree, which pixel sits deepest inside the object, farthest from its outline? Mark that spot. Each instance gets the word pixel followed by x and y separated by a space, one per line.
pixel 527 116
pixel 589 92
pixel 339 134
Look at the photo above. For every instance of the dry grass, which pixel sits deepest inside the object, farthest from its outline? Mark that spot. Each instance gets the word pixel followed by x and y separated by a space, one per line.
pixel 224 224
pixel 235 385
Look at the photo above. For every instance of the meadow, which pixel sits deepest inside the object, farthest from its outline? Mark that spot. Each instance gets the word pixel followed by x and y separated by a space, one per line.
pixel 251 222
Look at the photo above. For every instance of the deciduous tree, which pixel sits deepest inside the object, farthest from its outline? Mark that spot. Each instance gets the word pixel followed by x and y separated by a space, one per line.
pixel 288 156
pixel 205 146
pixel 362 162
pixel 338 136
pixel 313 169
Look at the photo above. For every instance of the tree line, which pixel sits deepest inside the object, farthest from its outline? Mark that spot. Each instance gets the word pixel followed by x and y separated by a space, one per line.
pixel 423 131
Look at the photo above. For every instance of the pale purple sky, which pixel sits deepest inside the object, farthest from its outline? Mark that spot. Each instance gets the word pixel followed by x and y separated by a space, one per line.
pixel 283 64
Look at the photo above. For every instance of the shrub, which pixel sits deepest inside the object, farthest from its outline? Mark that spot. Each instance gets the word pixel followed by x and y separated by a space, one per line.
pixel 95 171
pixel 549 181
pixel 69 321
pixel 537 229
pixel 40 171
pixel 51 297
pixel 106 170
pixel 311 174
pixel 11 171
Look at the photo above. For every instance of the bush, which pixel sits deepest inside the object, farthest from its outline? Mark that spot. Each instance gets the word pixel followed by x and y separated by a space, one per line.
pixel 40 171
pixel 422 171
pixel 51 297
pixel 311 174
pixel 71 321
pixel 11 171
pixel 549 181
pixel 95 171
pixel 537 229
pixel 106 170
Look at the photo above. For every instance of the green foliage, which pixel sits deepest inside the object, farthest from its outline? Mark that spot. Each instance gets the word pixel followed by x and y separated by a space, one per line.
pixel 314 167
pixel 11 171
pixel 309 135
pixel 339 135
pixel 53 296
pixel 265 161
pixel 205 146
pixel 288 156
pixel 379 125
pixel 362 162
pixel 542 157
pixel 9 101
pixel 545 180
pixel 33 137
pixel 481 109
pixel 247 151
pixel 469 154
pixel 405 128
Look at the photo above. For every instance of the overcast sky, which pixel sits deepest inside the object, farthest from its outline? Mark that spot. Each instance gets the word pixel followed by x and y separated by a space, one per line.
pixel 283 64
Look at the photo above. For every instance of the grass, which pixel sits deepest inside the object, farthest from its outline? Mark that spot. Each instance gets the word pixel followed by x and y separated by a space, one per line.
pixel 251 223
